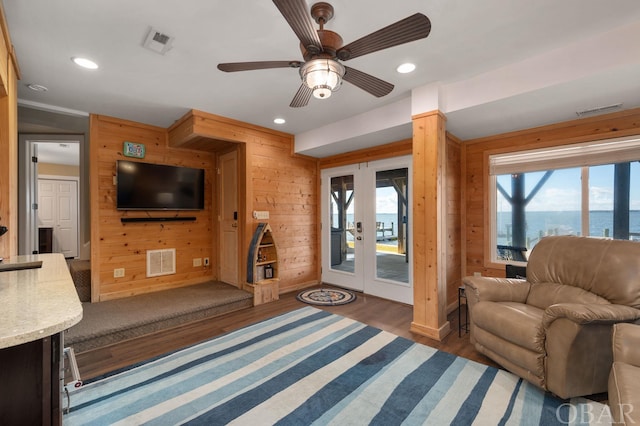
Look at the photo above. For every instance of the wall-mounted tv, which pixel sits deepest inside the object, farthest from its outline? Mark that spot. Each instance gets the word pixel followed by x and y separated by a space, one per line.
pixel 146 186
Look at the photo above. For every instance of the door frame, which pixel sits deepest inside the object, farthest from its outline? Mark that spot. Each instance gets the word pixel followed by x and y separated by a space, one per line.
pixel 330 275
pixel 364 180
pixel 28 194
pixel 219 191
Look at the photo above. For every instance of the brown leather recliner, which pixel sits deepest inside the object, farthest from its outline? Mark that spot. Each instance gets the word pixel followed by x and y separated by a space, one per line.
pixel 624 380
pixel 554 328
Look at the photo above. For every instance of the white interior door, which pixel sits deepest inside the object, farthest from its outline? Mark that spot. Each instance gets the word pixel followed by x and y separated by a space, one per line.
pixel 228 257
pixel 58 209
pixel 366 228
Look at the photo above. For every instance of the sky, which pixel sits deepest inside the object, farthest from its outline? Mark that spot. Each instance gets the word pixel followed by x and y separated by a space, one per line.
pixel 562 192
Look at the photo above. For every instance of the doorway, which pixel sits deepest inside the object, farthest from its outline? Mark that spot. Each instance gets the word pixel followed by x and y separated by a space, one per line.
pixel 45 159
pixel 58 213
pixel 228 219
pixel 366 228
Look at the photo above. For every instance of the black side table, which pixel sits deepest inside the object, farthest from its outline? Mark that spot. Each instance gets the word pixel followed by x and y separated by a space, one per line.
pixel 462 325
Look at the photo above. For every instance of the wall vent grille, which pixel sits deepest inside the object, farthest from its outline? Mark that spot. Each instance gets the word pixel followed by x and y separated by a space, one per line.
pixel 599 110
pixel 157 41
pixel 161 262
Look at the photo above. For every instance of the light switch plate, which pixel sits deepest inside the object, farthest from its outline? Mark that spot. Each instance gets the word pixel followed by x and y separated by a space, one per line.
pixel 261 214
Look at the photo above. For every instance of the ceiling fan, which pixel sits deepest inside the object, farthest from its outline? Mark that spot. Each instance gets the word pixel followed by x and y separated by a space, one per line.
pixel 321 71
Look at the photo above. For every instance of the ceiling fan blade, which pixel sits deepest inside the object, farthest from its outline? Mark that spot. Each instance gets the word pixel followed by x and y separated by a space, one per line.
pixel 248 66
pixel 409 29
pixel 367 82
pixel 302 97
pixel 297 15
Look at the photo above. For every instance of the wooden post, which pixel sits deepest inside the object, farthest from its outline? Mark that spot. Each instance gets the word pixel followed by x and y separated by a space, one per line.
pixel 428 245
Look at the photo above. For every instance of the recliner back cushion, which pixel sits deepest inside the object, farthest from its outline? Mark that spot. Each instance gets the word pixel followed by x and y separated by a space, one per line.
pixel 543 295
pixel 607 268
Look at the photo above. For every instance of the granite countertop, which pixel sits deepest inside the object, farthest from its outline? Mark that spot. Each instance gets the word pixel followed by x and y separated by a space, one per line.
pixel 36 303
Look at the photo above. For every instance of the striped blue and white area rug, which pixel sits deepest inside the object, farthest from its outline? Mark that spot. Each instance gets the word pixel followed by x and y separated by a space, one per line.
pixel 313 367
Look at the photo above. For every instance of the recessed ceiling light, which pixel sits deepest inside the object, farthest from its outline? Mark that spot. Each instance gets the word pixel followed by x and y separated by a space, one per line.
pixel 37 87
pixel 279 120
pixel 85 63
pixel 406 68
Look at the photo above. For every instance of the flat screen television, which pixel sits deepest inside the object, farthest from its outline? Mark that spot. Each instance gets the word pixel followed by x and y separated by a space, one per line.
pixel 146 186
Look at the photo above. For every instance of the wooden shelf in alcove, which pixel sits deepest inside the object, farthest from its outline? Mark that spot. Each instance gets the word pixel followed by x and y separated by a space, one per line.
pixel 265 289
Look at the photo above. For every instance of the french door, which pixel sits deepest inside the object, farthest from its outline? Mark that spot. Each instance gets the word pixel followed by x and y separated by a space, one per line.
pixel 366 228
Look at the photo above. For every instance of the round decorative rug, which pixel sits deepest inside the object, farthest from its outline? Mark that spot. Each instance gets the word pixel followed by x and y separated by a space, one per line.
pixel 326 296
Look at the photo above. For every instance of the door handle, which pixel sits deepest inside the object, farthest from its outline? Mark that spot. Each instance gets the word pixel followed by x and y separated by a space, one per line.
pixel 359 226
pixel 359 238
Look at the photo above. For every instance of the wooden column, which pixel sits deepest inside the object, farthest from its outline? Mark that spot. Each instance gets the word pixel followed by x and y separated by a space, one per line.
pixel 428 245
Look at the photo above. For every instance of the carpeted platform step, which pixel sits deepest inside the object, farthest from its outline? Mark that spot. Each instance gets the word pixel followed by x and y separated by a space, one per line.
pixel 113 321
pixel 81 275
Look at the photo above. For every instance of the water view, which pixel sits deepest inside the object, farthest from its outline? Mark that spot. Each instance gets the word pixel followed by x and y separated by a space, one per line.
pixel 542 223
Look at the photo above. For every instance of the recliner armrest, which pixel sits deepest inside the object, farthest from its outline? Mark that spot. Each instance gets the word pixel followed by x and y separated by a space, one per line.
pixel 626 343
pixel 590 313
pixel 496 289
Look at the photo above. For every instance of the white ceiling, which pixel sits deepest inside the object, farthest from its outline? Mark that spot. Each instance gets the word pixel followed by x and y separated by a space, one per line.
pixel 59 152
pixel 497 65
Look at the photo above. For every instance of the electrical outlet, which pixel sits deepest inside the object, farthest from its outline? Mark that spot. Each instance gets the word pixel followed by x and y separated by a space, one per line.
pixel 477 274
pixel 206 261
pixel 118 273
pixel 197 262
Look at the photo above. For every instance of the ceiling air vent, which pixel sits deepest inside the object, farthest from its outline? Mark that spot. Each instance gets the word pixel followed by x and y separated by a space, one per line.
pixel 157 41
pixel 599 110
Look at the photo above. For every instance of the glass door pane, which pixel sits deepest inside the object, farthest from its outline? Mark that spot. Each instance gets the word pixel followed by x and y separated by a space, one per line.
pixel 343 228
pixel 391 196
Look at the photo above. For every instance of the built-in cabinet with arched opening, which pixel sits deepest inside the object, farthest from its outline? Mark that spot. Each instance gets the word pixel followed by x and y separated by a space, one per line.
pixel 262 266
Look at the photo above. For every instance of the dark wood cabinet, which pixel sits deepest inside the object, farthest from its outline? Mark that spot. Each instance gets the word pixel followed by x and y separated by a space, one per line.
pixel 31 383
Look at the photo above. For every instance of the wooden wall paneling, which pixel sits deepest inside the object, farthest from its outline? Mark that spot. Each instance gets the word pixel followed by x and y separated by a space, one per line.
pixel 476 154
pixel 249 221
pixel 5 57
pixel 429 250
pixel 275 179
pixel 453 220
pixel 290 195
pixel 214 238
pixel 244 213
pixel 95 172
pixel 120 245
pixel 318 227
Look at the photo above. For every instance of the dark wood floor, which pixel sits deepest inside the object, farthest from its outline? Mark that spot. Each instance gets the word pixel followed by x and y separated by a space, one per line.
pixel 386 315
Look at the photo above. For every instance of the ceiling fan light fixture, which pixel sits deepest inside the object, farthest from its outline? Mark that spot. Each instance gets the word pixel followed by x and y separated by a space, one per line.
pixel 322 76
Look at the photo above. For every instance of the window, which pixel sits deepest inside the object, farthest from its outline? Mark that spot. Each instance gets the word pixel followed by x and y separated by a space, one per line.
pixel 582 189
